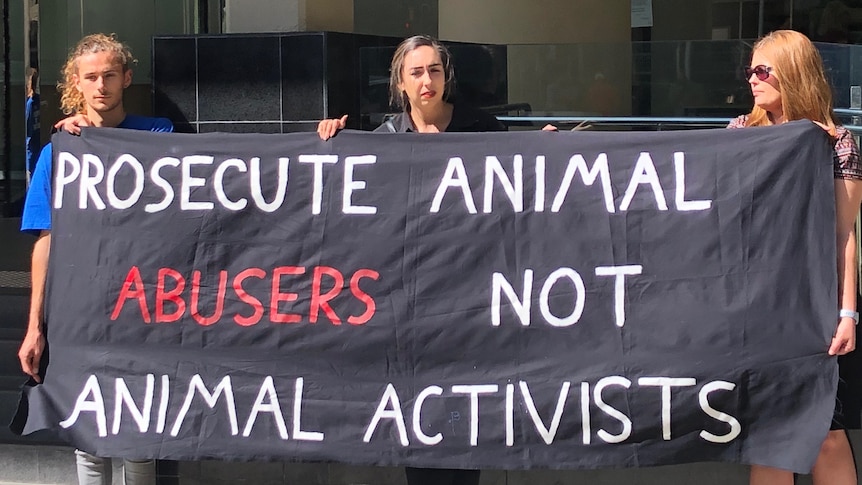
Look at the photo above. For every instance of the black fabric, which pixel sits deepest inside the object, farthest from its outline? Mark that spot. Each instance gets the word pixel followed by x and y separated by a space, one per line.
pixel 465 119
pixel 848 404
pixel 495 300
pixel 848 401
pixel 441 476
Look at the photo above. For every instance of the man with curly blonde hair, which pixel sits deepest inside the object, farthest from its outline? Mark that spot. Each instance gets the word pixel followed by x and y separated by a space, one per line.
pixel 95 75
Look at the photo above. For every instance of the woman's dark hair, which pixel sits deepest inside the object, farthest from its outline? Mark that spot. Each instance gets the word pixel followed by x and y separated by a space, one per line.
pixel 397 97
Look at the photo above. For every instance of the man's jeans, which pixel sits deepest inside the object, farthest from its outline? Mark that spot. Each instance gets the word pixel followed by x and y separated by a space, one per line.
pixel 93 470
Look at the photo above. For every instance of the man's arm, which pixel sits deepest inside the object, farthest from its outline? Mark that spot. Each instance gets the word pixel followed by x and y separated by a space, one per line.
pixel 72 124
pixel 34 341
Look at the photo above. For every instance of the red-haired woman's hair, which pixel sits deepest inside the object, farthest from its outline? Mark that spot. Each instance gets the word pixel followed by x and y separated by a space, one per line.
pixel 805 92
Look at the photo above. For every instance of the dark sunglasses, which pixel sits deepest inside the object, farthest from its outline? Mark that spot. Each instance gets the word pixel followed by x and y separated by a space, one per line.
pixel 762 72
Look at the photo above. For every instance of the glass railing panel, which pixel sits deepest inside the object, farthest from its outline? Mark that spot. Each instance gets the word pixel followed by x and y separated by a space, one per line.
pixel 688 79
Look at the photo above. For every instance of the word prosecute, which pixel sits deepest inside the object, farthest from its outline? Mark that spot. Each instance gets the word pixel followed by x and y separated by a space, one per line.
pixel 195 172
pixel 593 397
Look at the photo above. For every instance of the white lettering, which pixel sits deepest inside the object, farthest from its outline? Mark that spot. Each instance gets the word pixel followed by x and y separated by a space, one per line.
pixel 317 191
pixel 298 433
pixel 588 176
pixel 681 203
pixel 666 383
pixel 218 182
pixel 510 415
pixel 281 185
pixel 620 273
pixel 63 178
pixel 703 398
pixel 350 185
pixel 417 418
pixel 390 398
pixel 188 183
pixel 547 433
pixel 644 173
pixel 586 428
pixel 545 296
pixel 267 389
pixel 96 406
pixel 612 411
pixel 499 284
pixel 514 189
pixel 455 176
pixel 138 188
pixel 123 395
pixel 162 183
pixel 474 392
pixel 197 384
pixel 88 182
pixel 163 404
pixel 540 184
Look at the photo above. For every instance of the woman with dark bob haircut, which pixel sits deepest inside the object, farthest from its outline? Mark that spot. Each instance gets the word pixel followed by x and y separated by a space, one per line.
pixel 422 85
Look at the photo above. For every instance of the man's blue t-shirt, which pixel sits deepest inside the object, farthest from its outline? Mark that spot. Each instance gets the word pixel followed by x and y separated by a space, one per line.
pixel 33 138
pixel 37 207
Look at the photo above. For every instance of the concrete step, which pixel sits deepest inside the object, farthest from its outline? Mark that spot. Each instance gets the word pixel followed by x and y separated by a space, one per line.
pixel 32 465
pixel 12 382
pixel 17 246
pixel 9 365
pixel 13 321
pixel 55 465
pixel 13 311
pixel 13 334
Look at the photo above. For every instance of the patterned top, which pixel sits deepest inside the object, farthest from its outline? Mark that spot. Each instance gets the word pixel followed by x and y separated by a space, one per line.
pixel 846 162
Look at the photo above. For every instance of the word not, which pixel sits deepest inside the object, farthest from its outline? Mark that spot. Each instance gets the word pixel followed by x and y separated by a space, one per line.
pixel 521 306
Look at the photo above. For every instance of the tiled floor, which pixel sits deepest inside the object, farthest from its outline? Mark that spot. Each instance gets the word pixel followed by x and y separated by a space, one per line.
pixel 15 247
pixel 56 465
pixel 37 465
pixel 43 465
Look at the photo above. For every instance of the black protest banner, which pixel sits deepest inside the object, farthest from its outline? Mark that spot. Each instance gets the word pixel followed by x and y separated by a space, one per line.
pixel 502 300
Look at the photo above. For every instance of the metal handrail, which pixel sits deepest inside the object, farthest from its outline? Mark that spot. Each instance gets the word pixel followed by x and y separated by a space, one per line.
pixel 616 119
pixel 657 121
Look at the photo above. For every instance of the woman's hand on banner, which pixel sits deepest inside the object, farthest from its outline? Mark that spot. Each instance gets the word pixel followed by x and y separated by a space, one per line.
pixel 844 340
pixel 30 354
pixel 328 128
